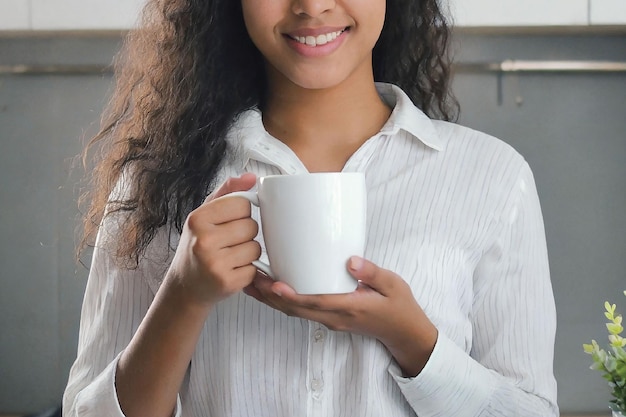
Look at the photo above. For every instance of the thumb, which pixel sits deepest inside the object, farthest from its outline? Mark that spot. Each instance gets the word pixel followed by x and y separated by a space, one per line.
pixel 380 279
pixel 242 183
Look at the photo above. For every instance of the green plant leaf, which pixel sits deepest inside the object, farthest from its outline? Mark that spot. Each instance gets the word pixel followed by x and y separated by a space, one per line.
pixel 617 340
pixel 610 308
pixel 620 371
pixel 596 366
pixel 602 355
pixel 610 364
pixel 614 328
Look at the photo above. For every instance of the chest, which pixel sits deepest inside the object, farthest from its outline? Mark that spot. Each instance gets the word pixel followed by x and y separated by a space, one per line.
pixel 425 222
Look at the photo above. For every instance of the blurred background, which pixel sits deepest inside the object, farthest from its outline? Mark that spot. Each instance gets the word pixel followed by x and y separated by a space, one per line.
pixel 546 76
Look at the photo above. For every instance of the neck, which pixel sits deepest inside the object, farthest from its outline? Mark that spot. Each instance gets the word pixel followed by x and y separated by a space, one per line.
pixel 325 126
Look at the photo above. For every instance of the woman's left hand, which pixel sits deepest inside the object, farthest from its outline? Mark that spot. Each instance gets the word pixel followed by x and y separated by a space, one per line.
pixel 382 307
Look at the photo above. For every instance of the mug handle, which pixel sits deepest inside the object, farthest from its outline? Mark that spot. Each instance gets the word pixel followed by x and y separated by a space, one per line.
pixel 253 197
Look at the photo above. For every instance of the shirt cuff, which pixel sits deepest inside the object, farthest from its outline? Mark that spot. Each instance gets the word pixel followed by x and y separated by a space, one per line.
pixel 100 397
pixel 451 383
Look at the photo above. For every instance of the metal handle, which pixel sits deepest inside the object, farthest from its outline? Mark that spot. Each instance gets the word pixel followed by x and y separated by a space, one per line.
pixel 509 65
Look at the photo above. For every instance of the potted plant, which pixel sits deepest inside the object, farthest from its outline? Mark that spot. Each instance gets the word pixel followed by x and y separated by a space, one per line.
pixel 612 361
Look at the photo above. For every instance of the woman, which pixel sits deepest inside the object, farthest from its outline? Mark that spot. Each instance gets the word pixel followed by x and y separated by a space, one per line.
pixel 454 314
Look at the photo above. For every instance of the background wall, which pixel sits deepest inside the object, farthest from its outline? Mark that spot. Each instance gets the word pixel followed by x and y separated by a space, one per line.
pixel 570 127
pixel 43 120
pixel 120 14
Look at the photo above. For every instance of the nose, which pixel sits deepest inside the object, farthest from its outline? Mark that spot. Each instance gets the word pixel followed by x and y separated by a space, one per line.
pixel 311 8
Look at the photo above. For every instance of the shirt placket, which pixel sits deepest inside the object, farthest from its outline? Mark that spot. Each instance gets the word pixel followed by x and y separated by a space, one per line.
pixel 318 344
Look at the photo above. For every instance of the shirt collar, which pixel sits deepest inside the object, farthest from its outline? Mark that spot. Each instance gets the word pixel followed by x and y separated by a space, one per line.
pixel 406 116
pixel 248 137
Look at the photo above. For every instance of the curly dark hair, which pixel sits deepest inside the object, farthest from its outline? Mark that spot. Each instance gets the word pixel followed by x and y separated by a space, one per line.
pixel 182 79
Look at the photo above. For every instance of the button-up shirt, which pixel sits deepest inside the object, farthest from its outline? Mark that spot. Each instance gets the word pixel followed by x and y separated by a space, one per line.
pixel 452 211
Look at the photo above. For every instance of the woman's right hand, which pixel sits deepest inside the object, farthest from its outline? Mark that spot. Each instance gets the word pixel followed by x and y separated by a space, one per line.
pixel 216 248
pixel 212 261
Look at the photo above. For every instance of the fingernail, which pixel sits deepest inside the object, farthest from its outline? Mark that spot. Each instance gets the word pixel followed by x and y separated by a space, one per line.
pixel 277 292
pixel 356 263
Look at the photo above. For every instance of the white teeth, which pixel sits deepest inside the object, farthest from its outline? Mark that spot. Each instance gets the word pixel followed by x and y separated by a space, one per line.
pixel 319 39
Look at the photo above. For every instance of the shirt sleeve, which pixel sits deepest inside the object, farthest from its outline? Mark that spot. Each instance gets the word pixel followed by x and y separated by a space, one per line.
pixel 115 301
pixel 509 370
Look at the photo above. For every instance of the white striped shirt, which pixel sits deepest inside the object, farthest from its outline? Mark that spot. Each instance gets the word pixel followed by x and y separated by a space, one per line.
pixel 453 211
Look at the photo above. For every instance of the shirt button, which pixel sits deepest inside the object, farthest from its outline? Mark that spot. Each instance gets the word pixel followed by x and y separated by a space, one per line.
pixel 319 335
pixel 317 385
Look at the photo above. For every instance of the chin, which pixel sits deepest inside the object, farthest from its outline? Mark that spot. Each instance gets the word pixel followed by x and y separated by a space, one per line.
pixel 316 85
pixel 316 82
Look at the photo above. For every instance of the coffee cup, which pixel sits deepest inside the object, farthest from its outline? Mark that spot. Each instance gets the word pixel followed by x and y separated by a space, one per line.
pixel 311 224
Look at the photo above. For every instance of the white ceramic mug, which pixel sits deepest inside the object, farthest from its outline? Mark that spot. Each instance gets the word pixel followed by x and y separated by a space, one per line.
pixel 312 224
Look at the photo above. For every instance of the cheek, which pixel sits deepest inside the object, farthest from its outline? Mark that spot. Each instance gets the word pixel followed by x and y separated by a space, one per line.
pixel 370 15
pixel 372 34
pixel 253 18
pixel 379 16
pixel 259 18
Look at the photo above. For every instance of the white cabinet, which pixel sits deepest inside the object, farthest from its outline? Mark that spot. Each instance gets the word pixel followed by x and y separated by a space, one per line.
pixel 14 15
pixel 84 14
pixel 123 14
pixel 520 12
pixel 607 12
pixel 69 14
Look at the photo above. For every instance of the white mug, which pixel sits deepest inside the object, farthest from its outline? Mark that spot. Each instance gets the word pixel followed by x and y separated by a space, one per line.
pixel 312 224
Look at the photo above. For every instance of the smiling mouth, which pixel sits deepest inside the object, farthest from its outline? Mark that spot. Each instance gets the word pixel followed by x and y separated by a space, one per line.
pixel 318 40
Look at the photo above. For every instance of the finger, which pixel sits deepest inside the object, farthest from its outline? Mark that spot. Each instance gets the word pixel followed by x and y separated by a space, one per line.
pixel 222 225
pixel 253 292
pixel 379 279
pixel 241 183
pixel 243 276
pixel 334 318
pixel 252 289
pixel 242 254
pixel 280 293
pixel 233 233
pixel 220 211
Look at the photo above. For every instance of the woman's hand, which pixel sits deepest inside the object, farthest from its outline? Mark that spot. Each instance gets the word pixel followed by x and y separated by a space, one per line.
pixel 216 248
pixel 212 261
pixel 382 307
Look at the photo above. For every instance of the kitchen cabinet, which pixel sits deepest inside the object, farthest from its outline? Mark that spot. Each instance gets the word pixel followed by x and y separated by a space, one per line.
pixel 14 15
pixel 607 12
pixel 84 14
pixel 490 13
pixel 50 15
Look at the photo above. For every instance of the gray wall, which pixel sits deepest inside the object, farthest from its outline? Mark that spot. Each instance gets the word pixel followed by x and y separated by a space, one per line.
pixel 570 127
pixel 43 122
